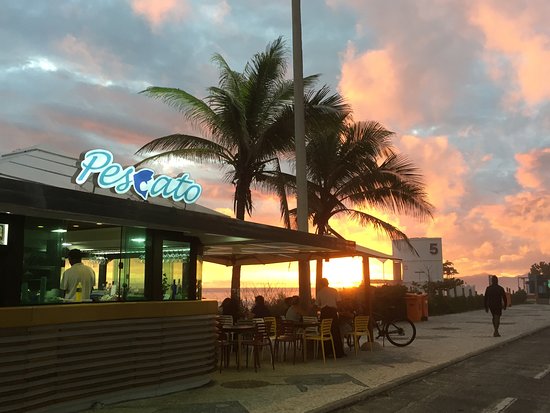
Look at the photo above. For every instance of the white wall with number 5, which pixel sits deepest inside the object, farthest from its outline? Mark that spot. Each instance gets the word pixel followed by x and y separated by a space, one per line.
pixel 426 264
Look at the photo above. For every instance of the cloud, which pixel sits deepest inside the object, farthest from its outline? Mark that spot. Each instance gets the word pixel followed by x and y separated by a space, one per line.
pixel 217 11
pixel 158 12
pixel 442 165
pixel 370 83
pixel 517 46
pixel 92 64
pixel 534 169
pixel 408 67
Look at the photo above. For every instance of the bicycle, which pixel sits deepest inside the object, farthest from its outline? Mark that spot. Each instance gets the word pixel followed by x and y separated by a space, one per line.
pixel 400 331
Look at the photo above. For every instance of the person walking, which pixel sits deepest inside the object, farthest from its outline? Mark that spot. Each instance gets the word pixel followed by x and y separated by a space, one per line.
pixel 78 277
pixel 327 299
pixel 495 300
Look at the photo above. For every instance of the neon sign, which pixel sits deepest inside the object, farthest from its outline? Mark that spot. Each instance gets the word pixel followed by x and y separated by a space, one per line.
pixel 143 181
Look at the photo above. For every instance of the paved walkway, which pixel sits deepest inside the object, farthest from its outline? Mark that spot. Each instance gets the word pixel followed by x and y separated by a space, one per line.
pixel 316 387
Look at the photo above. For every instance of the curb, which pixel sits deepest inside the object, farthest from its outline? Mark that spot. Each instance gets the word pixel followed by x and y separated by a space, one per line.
pixel 365 394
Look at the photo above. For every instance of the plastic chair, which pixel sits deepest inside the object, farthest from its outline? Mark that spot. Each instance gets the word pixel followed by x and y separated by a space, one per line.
pixel 323 335
pixel 224 344
pixel 361 328
pixel 225 319
pixel 273 330
pixel 288 335
pixel 310 330
pixel 258 341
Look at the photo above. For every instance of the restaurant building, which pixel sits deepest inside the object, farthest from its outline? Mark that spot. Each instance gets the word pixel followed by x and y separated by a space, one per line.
pixel 145 330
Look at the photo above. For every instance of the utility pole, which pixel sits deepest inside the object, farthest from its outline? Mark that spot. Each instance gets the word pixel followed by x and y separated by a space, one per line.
pixel 299 140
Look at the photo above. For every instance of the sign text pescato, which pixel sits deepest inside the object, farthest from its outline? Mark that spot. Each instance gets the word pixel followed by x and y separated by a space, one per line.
pixel 143 181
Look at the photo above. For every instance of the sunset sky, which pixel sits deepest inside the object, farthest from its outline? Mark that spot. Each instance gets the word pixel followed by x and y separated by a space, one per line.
pixel 465 86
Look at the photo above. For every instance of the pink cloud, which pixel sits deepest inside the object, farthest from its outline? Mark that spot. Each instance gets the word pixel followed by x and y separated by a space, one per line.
pixel 442 165
pixel 414 64
pixel 527 215
pixel 371 84
pixel 157 11
pixel 534 169
pixel 99 64
pixel 516 39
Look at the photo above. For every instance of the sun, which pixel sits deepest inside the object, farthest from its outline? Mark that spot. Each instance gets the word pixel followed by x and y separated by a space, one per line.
pixel 348 272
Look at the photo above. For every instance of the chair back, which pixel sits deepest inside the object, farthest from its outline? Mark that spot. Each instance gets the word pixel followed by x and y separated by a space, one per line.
pixel 262 328
pixel 273 325
pixel 310 319
pixel 288 329
pixel 225 320
pixel 324 330
pixel 361 323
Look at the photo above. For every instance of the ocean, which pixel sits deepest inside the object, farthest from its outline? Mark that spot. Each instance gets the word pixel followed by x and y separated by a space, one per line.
pixel 248 294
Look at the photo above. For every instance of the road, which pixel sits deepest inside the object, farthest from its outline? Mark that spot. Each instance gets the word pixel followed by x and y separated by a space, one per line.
pixel 514 378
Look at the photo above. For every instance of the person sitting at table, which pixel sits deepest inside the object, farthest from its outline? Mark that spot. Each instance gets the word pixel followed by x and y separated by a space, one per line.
pixel 260 310
pixel 294 312
pixel 230 307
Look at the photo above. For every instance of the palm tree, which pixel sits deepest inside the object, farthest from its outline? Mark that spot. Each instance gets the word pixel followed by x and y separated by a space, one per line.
pixel 352 166
pixel 248 119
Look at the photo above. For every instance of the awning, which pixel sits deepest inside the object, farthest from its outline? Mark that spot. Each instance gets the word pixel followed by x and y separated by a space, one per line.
pixel 37 182
pixel 226 240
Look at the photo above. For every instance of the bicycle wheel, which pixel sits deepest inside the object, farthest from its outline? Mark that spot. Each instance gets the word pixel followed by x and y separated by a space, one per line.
pixel 400 333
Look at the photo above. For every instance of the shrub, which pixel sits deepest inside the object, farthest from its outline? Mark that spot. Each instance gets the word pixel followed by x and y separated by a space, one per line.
pixel 439 305
pixel 389 300
pixel 519 297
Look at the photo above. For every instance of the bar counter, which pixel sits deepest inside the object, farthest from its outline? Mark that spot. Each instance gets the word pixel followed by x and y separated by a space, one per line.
pixel 68 357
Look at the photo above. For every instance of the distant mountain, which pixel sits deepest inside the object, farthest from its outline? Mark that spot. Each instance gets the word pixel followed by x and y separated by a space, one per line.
pixel 481 281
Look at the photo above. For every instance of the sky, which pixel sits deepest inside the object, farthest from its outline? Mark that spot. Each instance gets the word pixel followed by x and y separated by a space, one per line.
pixel 464 85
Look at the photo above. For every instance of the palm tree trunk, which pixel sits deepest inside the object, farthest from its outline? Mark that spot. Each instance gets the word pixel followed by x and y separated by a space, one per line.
pixel 240 208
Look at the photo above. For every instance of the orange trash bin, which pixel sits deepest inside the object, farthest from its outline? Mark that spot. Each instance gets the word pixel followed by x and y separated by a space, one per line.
pixel 414 307
pixel 424 307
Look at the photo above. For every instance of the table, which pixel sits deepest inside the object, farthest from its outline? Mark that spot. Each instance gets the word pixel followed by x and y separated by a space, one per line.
pixel 304 325
pixel 238 330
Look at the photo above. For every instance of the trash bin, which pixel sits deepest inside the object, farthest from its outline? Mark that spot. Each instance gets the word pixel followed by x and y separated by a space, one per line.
pixel 424 307
pixel 414 307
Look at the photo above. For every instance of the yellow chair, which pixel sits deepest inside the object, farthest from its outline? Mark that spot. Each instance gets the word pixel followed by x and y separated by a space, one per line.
pixel 273 329
pixel 361 328
pixel 323 335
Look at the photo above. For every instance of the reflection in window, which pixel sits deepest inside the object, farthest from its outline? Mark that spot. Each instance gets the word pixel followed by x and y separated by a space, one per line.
pixel 42 263
pixel 117 256
pixel 175 269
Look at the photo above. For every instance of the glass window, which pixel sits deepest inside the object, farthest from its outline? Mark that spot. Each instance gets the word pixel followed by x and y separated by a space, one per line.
pixel 116 254
pixel 131 264
pixel 44 240
pixel 175 269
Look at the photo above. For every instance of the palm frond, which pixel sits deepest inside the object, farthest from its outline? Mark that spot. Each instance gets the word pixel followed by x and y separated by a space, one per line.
pixel 194 109
pixel 185 147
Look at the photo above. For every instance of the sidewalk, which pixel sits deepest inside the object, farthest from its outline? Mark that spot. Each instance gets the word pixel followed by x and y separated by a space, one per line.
pixel 317 387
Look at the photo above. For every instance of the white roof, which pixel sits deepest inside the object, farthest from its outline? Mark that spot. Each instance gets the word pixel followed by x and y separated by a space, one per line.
pixel 46 166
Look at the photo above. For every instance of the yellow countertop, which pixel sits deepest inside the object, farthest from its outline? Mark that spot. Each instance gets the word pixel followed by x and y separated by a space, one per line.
pixel 13 317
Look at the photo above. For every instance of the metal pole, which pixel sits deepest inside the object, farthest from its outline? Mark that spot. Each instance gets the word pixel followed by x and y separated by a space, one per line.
pixel 299 128
pixel 299 139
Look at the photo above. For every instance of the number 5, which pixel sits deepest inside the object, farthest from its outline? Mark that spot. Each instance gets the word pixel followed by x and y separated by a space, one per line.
pixel 433 248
